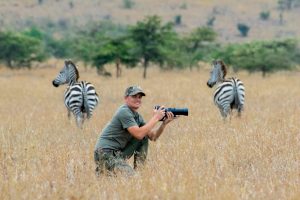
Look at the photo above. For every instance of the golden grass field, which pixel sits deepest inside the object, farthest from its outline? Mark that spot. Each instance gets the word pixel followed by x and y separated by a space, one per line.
pixel 43 155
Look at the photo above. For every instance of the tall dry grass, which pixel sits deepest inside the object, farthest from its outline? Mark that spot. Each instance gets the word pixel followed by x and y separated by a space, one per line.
pixel 44 156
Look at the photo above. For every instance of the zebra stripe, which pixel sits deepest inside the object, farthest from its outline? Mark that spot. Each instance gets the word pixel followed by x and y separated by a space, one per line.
pixel 81 98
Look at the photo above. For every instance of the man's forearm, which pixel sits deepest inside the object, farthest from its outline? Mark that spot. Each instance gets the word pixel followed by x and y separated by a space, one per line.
pixel 155 134
pixel 140 132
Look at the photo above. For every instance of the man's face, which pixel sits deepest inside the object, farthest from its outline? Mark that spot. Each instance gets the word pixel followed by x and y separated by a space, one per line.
pixel 134 101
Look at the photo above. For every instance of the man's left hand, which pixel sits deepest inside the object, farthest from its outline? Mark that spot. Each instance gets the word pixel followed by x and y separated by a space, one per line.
pixel 169 117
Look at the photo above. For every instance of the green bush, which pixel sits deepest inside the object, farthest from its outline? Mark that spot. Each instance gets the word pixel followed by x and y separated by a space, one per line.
pixel 243 28
pixel 264 15
pixel 211 21
pixel 128 4
pixel 71 4
pixel 183 6
pixel 177 20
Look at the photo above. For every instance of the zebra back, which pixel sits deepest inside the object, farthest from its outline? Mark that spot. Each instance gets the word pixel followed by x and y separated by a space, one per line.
pixel 239 93
pixel 230 93
pixel 85 101
pixel 90 97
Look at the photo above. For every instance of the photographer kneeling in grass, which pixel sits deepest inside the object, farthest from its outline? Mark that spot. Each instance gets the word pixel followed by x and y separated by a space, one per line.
pixel 127 134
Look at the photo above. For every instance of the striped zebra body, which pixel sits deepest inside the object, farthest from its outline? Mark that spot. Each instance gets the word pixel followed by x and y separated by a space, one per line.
pixel 80 97
pixel 230 93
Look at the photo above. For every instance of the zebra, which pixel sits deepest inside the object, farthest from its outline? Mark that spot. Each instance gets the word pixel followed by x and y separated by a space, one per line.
pixel 230 93
pixel 80 97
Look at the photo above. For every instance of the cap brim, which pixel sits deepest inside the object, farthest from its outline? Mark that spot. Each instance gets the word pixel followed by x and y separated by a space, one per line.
pixel 135 93
pixel 142 93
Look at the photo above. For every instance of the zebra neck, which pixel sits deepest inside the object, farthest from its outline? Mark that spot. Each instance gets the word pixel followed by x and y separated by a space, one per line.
pixel 221 81
pixel 72 82
pixel 72 76
pixel 221 78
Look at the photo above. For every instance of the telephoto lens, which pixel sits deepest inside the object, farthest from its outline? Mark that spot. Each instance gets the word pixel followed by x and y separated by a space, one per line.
pixel 176 111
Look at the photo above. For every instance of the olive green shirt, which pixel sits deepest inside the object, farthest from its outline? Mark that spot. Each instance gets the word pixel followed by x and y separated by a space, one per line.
pixel 115 135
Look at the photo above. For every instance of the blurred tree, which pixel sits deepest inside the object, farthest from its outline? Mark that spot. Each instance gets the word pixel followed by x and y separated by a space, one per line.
pixel 59 48
pixel 264 15
pixel 84 48
pixel 285 4
pixel 174 54
pixel 177 20
pixel 264 56
pixel 89 41
pixel 128 4
pixel 226 53
pixel 116 50
pixel 281 8
pixel 19 50
pixel 243 28
pixel 183 6
pixel 198 44
pixel 71 4
pixel 36 33
pixel 211 21
pixel 150 38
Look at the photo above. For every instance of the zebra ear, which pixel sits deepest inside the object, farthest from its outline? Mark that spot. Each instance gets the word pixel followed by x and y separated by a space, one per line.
pixel 222 63
pixel 67 63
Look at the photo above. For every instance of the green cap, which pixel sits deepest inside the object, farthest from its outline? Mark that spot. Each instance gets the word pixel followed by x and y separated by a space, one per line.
pixel 133 90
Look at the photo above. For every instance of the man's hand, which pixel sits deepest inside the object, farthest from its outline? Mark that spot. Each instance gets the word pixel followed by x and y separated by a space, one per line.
pixel 159 113
pixel 169 118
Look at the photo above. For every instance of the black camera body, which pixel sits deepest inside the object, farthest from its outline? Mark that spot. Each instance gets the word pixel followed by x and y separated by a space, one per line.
pixel 175 111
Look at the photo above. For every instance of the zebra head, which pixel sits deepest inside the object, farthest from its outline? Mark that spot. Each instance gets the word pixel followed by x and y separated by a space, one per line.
pixel 69 74
pixel 217 74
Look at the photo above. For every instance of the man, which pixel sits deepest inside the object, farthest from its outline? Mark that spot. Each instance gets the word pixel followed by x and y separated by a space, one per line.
pixel 127 134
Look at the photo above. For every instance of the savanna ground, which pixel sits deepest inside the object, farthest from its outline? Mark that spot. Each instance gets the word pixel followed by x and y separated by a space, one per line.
pixel 44 156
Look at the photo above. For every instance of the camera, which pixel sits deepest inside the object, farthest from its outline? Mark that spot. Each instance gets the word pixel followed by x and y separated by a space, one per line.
pixel 175 111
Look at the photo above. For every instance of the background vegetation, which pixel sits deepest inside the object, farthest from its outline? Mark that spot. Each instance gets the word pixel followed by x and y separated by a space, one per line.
pixel 150 40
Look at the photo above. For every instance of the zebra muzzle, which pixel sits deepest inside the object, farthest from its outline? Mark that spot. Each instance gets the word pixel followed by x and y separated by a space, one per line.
pixel 55 84
pixel 209 85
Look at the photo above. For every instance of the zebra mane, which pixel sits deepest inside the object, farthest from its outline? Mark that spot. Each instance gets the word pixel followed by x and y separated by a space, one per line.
pixel 223 68
pixel 68 63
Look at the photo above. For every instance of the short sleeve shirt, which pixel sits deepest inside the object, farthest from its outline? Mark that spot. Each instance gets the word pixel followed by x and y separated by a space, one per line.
pixel 115 134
